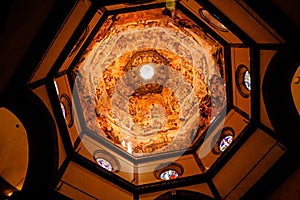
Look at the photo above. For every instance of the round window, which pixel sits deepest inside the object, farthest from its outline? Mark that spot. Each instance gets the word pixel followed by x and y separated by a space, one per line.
pixel 212 20
pixel 243 80
pixel 225 142
pixel 104 164
pixel 169 174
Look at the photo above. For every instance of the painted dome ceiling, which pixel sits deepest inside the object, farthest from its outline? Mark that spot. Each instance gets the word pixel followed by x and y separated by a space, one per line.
pixel 150 81
pixel 145 92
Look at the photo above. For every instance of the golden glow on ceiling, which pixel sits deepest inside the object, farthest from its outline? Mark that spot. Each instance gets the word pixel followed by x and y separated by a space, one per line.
pixel 150 82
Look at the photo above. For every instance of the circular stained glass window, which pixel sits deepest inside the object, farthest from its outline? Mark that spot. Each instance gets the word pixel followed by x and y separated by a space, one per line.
pixel 169 174
pixel 247 80
pixel 224 139
pixel 243 80
pixel 104 164
pixel 212 20
pixel 106 161
pixel 168 171
pixel 63 109
pixel 225 142
pixel 66 108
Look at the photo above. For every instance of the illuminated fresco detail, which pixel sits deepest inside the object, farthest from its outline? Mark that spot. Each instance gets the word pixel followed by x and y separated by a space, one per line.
pixel 150 83
pixel 155 109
